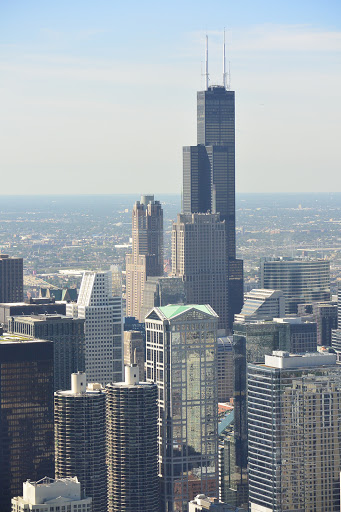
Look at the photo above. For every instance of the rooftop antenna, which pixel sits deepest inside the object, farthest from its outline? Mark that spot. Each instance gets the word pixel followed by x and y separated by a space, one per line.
pixel 206 65
pixel 229 81
pixel 224 63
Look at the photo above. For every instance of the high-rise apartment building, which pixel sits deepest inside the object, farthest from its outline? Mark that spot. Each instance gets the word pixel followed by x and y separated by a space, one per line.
pixel 209 177
pixel 132 449
pixel 50 495
pixel 182 360
pixel 80 438
pixel 336 333
pixel 11 279
pixel 294 413
pixel 103 327
pixel 199 258
pixel 67 335
pixel 146 258
pixel 301 280
pixel 26 413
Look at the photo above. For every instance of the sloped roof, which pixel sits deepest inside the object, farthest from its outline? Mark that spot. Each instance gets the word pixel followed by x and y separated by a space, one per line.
pixel 173 310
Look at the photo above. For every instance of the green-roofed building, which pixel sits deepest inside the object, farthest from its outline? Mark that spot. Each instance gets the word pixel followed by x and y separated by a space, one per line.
pixel 181 358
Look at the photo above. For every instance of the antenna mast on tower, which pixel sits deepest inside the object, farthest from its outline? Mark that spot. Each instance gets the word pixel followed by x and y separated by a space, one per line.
pixel 206 64
pixel 224 63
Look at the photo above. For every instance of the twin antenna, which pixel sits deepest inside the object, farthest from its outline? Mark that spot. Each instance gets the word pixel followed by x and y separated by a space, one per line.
pixel 226 76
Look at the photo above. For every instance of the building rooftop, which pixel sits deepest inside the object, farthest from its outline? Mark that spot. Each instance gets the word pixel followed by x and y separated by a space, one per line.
pixel 173 310
pixel 284 360
pixel 19 338
pixel 43 317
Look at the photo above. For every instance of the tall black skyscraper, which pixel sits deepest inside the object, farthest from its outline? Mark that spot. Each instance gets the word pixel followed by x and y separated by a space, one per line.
pixel 11 279
pixel 26 414
pixel 209 176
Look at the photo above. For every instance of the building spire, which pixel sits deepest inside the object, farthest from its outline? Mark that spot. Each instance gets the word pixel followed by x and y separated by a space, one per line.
pixel 224 63
pixel 206 64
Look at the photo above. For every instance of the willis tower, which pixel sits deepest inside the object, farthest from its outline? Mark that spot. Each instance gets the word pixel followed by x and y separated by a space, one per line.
pixel 209 175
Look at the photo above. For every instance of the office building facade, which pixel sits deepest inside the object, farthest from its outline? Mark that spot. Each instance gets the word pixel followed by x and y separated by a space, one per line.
pixel 103 327
pixel 199 258
pixel 26 413
pixel 325 314
pixel 225 366
pixel 11 279
pixel 233 474
pixel 287 334
pixel 161 291
pixel 132 449
pixel 50 495
pixel 146 258
pixel 301 280
pixel 67 335
pixel 80 438
pixel 294 412
pixel 209 177
pixel 182 359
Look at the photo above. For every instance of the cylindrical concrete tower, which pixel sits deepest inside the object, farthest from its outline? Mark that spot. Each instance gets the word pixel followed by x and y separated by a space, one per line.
pixel 80 438
pixel 132 445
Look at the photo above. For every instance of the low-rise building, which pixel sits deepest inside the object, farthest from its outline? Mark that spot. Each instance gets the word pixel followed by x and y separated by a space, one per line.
pixel 49 495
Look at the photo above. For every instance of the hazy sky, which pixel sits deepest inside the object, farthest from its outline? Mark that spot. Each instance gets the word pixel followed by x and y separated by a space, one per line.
pixel 100 96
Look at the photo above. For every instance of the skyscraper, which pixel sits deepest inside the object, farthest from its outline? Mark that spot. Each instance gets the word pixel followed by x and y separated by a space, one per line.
pixel 11 279
pixel 325 315
pixel 294 413
pixel 301 280
pixel 209 176
pixel 26 413
pixel 103 327
pixel 182 360
pixel 133 484
pixel 80 438
pixel 233 448
pixel 161 291
pixel 146 258
pixel 199 258
pixel 67 335
pixel 225 369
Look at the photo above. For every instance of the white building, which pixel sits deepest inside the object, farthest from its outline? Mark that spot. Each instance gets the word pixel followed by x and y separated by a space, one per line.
pixel 103 327
pixel 202 502
pixel 262 304
pixel 49 495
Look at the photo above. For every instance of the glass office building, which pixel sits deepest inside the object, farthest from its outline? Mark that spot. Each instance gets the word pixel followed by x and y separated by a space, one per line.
pixel 182 360
pixel 26 414
pixel 301 280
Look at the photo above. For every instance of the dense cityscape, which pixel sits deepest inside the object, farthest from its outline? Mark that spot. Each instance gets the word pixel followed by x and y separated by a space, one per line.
pixel 172 352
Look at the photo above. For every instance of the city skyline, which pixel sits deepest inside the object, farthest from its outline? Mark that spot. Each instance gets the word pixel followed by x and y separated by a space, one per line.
pixel 83 84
